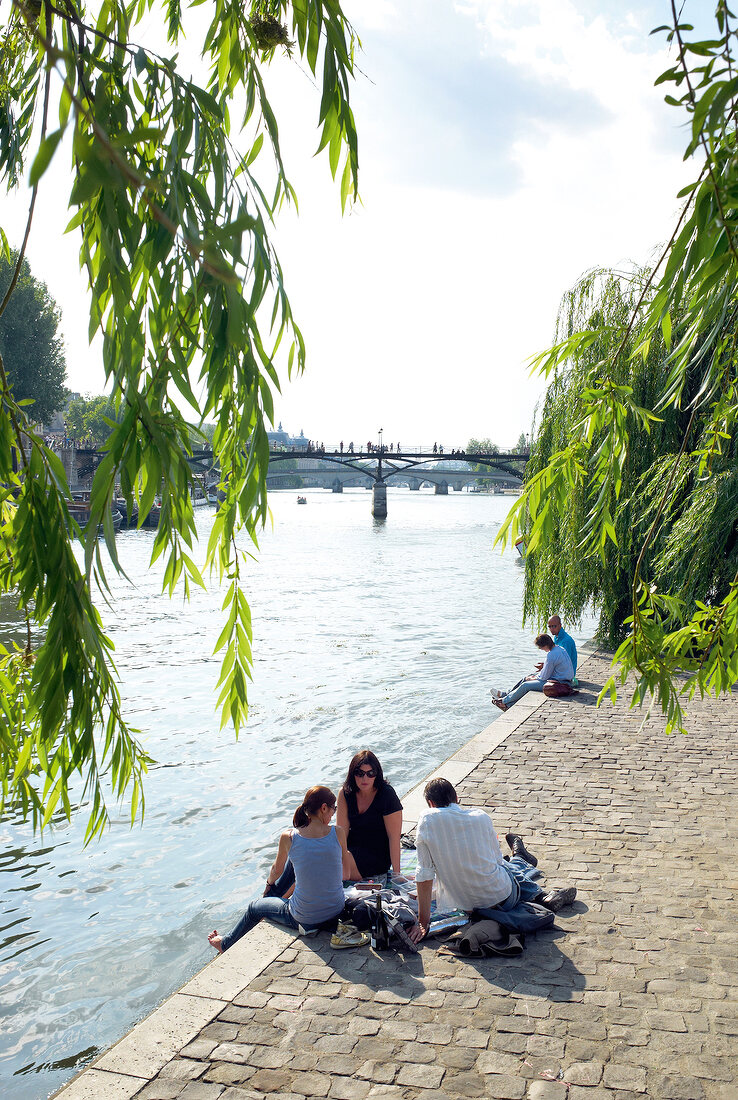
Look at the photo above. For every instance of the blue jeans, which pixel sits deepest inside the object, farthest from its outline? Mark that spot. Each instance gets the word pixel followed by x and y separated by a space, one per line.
pixel 275 909
pixel 515 912
pixel 283 883
pixel 519 691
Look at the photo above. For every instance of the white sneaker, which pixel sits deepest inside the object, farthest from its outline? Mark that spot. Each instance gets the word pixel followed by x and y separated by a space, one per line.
pixel 495 693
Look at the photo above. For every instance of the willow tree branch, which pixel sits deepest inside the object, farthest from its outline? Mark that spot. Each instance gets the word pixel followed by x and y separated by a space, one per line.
pixel 32 205
pixel 703 140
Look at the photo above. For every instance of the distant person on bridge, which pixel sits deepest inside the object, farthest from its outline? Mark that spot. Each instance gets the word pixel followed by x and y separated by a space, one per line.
pixel 556 666
pixel 561 638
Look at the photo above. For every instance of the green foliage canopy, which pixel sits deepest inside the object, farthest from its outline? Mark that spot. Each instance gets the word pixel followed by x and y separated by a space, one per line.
pixel 30 343
pixel 481 447
pixel 187 293
pixel 631 494
pixel 91 418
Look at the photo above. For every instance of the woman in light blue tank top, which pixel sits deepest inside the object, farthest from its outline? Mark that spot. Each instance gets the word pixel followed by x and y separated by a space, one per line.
pixel 316 850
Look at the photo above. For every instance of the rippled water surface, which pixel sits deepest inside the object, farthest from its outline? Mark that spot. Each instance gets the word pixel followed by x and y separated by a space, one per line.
pixel 366 634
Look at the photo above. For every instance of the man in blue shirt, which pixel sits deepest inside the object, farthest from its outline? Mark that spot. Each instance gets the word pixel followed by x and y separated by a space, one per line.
pixel 561 638
pixel 556 666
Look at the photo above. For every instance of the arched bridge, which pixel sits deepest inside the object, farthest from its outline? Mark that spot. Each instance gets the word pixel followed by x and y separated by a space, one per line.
pixel 333 469
pixel 336 469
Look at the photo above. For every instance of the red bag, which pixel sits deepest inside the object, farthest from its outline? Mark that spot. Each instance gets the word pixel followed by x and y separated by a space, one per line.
pixel 555 689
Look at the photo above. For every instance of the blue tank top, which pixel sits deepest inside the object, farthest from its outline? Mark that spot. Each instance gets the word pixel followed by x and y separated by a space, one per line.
pixel 318 865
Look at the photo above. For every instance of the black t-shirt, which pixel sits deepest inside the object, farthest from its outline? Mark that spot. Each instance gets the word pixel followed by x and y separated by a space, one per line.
pixel 367 840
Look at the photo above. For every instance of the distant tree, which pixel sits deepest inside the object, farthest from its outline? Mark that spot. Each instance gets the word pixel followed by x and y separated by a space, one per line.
pixel 74 417
pixel 482 447
pixel 30 344
pixel 521 446
pixel 91 418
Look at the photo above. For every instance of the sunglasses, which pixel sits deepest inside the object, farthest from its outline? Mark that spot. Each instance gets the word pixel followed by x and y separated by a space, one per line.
pixel 369 773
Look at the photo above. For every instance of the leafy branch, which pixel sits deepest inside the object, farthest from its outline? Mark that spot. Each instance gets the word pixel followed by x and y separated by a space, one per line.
pixel 187 293
pixel 630 498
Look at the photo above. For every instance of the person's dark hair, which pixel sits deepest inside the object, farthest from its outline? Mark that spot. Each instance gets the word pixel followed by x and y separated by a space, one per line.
pixel 362 758
pixel 311 803
pixel 545 641
pixel 440 792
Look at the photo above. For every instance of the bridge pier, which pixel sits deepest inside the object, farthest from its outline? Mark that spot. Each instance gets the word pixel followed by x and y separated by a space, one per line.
pixel 414 484
pixel 441 489
pixel 337 486
pixel 379 500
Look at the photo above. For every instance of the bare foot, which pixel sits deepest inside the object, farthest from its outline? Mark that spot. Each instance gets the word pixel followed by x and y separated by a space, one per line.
pixel 499 703
pixel 216 941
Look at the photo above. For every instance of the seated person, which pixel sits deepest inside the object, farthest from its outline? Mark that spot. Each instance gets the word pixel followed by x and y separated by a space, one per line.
pixel 371 813
pixel 317 850
pixel 556 666
pixel 459 848
pixel 560 637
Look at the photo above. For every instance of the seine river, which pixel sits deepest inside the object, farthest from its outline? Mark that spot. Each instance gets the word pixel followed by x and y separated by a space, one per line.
pixel 379 634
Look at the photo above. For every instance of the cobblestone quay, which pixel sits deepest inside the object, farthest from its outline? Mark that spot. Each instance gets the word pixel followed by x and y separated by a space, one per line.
pixel 631 994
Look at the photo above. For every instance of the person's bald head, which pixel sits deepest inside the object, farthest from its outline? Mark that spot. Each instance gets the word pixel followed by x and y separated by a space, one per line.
pixel 554 624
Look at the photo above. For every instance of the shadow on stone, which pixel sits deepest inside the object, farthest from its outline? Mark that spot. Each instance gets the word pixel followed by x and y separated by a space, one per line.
pixel 543 970
pixel 395 973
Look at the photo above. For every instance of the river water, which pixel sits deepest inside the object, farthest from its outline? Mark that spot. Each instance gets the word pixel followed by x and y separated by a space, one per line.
pixel 367 634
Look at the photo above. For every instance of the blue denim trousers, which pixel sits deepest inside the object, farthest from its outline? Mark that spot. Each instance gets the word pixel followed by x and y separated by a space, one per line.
pixel 515 912
pixel 275 909
pixel 283 883
pixel 519 691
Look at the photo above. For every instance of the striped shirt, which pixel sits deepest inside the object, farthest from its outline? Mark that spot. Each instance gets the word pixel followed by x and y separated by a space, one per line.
pixel 459 848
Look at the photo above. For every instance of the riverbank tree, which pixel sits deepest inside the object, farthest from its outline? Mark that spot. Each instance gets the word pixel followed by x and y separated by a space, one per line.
pixel 174 183
pixel 631 494
pixel 31 344
pixel 91 418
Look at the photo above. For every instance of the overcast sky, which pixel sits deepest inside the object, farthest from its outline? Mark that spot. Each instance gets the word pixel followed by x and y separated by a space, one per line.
pixel 506 146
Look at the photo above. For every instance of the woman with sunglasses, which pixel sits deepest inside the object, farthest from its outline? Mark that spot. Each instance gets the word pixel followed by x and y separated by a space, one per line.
pixel 317 850
pixel 371 813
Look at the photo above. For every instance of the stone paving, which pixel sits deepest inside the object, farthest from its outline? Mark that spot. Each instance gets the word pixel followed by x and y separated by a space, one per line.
pixel 631 994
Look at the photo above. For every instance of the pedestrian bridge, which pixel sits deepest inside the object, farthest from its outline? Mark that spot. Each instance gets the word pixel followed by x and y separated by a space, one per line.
pixel 334 470
pixel 376 469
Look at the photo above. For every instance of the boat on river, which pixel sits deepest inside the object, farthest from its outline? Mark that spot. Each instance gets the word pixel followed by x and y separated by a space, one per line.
pixel 131 519
pixel 79 510
pixel 302 500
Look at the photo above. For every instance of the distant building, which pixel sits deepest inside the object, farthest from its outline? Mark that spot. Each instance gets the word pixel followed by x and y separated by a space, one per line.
pixel 281 438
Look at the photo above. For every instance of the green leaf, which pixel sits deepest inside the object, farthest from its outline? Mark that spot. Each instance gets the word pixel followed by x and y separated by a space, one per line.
pixel 41 161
